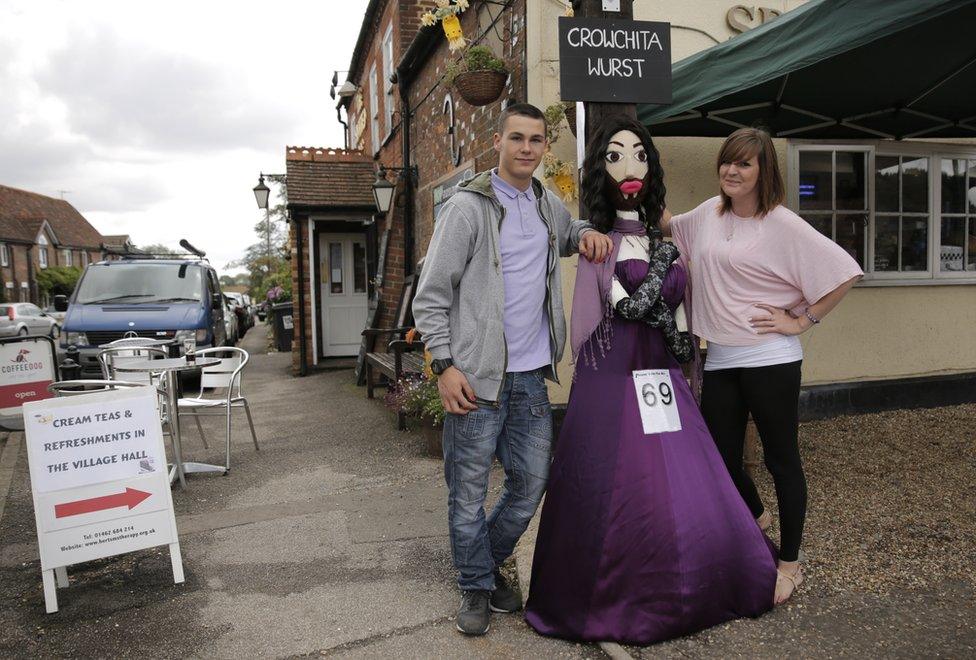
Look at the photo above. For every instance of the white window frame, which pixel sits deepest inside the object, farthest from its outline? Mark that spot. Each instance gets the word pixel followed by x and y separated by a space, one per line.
pixel 42 255
pixel 84 258
pixel 965 275
pixel 4 255
pixel 374 111
pixel 934 152
pixel 67 257
pixel 386 74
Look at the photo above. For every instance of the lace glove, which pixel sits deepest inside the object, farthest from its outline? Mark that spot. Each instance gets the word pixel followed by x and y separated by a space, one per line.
pixel 649 292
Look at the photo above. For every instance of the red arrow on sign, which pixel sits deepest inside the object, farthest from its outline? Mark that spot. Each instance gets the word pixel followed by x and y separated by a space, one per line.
pixel 131 498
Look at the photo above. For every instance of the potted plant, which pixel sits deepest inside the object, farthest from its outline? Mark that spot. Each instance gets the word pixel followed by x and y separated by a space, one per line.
pixel 479 76
pixel 555 114
pixel 417 396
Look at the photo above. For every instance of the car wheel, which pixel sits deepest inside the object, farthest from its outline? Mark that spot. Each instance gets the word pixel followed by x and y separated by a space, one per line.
pixel 23 332
pixel 55 331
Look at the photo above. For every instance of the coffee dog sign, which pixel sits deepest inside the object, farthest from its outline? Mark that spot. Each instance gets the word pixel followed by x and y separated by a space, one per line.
pixel 27 367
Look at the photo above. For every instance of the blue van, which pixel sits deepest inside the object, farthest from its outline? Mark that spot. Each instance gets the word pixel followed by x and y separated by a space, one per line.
pixel 159 298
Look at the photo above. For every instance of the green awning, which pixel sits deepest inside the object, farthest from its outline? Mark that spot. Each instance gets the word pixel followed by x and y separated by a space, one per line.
pixel 834 69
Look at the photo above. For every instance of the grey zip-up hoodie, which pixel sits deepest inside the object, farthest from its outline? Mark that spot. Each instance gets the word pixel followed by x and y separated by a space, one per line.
pixel 460 303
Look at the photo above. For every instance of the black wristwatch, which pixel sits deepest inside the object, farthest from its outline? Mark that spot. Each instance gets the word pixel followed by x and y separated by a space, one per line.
pixel 441 365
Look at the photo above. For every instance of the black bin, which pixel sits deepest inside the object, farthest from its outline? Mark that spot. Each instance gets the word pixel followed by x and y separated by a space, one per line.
pixel 284 326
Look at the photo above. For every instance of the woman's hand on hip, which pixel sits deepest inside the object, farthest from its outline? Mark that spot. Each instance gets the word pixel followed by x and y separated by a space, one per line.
pixel 778 321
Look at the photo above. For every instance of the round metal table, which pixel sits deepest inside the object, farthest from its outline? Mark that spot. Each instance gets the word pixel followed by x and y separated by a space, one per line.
pixel 172 368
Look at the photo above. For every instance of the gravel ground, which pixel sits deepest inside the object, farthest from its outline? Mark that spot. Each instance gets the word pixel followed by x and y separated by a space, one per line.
pixel 892 500
pixel 889 543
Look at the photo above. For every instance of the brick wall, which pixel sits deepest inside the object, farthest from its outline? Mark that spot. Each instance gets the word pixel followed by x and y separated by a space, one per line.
pixel 474 126
pixel 303 324
pixel 16 272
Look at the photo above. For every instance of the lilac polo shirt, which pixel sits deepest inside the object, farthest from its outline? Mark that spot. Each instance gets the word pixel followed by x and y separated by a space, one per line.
pixel 524 245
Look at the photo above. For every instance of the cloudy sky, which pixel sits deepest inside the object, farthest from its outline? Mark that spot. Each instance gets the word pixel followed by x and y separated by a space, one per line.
pixel 157 117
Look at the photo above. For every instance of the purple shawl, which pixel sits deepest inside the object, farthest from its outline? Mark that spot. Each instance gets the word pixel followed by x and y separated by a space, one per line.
pixel 592 310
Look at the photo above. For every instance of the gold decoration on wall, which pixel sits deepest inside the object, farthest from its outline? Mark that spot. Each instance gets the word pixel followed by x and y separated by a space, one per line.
pixel 560 176
pixel 447 13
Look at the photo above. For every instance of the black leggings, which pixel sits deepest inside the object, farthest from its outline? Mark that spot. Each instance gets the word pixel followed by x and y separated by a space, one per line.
pixel 771 395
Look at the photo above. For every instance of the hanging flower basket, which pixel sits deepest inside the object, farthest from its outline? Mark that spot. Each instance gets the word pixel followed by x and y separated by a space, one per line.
pixel 480 87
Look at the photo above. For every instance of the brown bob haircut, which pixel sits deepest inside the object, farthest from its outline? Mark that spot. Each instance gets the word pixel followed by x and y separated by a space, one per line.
pixel 745 144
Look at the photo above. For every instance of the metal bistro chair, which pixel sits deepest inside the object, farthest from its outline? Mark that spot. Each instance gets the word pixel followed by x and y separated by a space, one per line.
pixel 110 358
pixel 226 375
pixel 128 350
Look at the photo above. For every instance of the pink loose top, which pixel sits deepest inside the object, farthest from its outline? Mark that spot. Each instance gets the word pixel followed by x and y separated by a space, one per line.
pixel 778 260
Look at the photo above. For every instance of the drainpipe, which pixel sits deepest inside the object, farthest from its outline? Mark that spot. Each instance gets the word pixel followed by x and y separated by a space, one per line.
pixel 420 49
pixel 408 201
pixel 31 277
pixel 345 126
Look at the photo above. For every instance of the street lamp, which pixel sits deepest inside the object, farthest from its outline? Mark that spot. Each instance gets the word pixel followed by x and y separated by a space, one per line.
pixel 261 193
pixel 382 192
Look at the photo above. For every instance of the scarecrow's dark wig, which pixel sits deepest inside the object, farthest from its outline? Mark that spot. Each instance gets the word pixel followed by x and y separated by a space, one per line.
pixel 594 196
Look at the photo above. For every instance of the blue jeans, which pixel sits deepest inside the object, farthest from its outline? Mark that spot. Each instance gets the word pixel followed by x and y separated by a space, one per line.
pixel 519 432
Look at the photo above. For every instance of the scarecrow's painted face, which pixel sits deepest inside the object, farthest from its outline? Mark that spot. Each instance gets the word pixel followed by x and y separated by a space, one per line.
pixel 627 169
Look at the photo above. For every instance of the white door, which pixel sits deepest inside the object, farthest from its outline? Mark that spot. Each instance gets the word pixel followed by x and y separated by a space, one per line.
pixel 344 298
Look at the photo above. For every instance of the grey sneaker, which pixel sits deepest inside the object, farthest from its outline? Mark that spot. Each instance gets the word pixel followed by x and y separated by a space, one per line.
pixel 473 616
pixel 505 598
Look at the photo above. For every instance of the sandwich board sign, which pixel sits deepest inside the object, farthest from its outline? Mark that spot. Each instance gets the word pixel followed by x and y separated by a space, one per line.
pixel 99 480
pixel 27 367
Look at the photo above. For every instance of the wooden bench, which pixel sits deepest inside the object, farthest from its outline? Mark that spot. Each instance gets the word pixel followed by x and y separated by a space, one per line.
pixel 402 358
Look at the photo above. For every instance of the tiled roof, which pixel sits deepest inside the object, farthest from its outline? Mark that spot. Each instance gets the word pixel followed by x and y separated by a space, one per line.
pixel 17 207
pixel 20 229
pixel 329 177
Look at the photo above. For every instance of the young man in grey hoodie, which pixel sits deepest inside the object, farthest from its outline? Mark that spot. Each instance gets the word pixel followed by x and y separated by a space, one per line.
pixel 489 306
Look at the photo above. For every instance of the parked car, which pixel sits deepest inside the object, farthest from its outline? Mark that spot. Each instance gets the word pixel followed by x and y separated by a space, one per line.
pixel 26 319
pixel 244 319
pixel 231 321
pixel 55 314
pixel 176 299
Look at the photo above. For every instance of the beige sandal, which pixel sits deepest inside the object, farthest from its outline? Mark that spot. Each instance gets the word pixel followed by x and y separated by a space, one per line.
pixel 795 581
pixel 765 520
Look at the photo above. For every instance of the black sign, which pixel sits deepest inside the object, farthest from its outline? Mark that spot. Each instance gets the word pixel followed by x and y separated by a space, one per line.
pixel 614 61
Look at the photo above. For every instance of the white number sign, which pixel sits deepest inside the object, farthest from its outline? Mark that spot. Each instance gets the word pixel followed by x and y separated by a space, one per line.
pixel 656 401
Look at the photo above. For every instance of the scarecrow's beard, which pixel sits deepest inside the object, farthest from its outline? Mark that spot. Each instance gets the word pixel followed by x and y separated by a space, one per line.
pixel 626 195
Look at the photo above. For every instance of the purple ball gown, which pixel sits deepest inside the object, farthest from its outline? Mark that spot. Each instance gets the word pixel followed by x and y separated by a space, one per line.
pixel 642 537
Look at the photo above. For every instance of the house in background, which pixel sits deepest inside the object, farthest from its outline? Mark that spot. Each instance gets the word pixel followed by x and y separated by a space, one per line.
pixel 38 232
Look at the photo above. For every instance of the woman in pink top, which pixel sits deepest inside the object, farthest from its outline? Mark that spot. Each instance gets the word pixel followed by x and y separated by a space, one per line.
pixel 759 276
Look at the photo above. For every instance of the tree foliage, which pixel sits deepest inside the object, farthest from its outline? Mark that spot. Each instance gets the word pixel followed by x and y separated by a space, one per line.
pixel 58 280
pixel 158 248
pixel 265 269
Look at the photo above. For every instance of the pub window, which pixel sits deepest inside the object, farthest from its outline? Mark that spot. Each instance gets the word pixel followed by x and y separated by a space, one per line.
pixel 374 111
pixel 833 198
pixel 957 221
pixel 4 255
pixel 387 85
pixel 905 211
pixel 901 221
